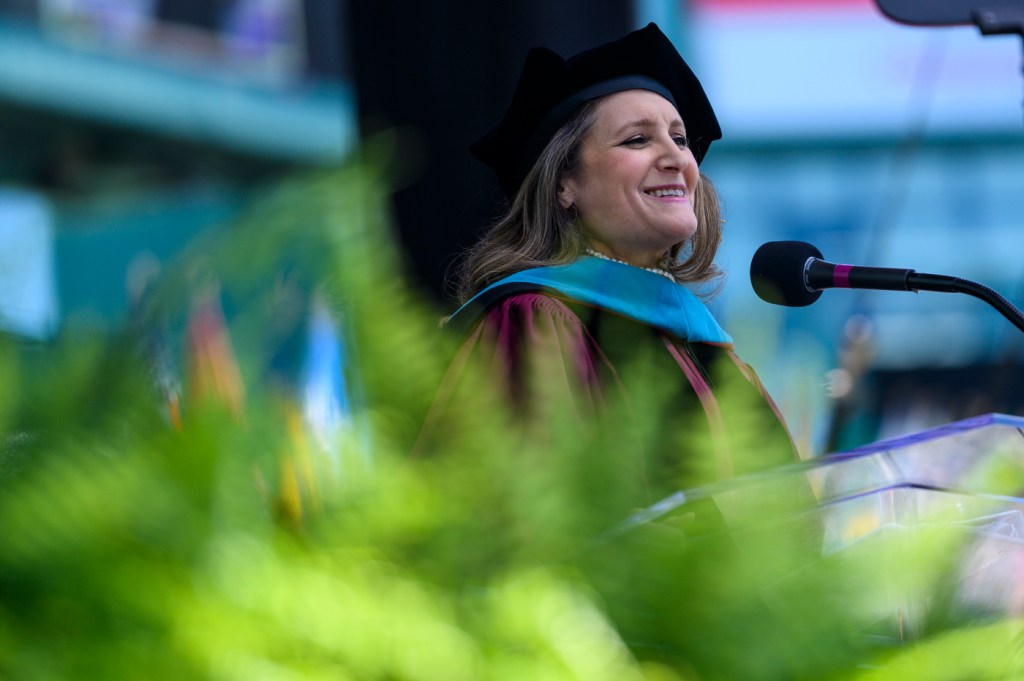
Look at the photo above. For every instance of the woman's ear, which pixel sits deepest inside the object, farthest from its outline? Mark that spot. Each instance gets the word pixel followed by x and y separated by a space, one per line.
pixel 566 193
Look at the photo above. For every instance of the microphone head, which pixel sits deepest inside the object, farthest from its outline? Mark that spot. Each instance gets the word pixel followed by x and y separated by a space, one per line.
pixel 777 273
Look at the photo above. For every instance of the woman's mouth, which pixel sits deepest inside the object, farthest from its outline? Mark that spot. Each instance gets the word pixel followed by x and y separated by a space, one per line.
pixel 666 192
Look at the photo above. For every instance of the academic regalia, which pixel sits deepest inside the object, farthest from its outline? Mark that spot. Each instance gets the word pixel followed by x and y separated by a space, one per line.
pixel 615 345
pixel 622 335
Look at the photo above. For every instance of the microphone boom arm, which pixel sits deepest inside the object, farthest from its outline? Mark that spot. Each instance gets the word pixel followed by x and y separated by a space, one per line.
pixel 819 274
pixel 996 300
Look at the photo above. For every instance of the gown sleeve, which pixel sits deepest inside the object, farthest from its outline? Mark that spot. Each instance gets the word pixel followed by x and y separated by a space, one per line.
pixel 540 353
pixel 530 354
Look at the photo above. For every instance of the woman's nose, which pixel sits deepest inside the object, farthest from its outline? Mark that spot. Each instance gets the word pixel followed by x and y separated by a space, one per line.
pixel 674 157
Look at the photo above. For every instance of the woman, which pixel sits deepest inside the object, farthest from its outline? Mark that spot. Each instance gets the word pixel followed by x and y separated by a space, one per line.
pixel 582 281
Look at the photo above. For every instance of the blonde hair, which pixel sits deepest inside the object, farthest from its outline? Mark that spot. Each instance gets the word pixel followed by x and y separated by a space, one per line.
pixel 536 231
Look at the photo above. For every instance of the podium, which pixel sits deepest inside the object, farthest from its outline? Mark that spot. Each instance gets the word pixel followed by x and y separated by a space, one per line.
pixel 933 521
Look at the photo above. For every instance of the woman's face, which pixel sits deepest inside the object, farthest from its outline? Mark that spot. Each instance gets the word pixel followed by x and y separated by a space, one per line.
pixel 636 179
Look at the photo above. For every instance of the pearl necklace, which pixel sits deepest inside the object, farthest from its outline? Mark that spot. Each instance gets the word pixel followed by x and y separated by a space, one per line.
pixel 655 270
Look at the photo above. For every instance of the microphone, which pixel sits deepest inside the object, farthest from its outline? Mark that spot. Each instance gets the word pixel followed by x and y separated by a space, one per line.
pixel 792 273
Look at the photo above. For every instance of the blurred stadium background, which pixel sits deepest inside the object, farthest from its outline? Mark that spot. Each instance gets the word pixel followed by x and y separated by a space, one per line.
pixel 130 127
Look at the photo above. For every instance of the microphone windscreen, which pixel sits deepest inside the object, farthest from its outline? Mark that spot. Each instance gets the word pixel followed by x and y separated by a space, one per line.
pixel 777 273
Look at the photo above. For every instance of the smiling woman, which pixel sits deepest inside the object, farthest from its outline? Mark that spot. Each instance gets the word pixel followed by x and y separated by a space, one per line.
pixel 631 191
pixel 578 298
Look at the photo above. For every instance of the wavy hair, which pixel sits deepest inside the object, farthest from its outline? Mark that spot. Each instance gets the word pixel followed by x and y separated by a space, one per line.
pixel 536 231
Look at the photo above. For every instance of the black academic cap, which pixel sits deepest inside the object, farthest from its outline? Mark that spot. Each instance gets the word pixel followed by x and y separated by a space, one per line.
pixel 551 88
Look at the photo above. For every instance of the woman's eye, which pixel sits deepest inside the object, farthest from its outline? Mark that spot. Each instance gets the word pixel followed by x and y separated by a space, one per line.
pixel 636 141
pixel 682 140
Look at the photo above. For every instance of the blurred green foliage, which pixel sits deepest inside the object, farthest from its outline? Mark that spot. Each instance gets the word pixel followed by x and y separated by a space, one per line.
pixel 226 542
